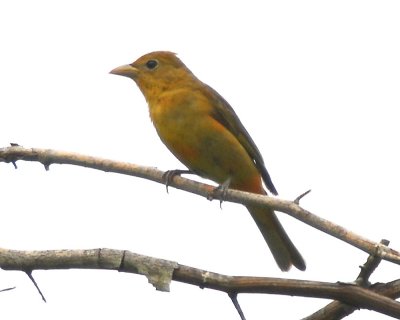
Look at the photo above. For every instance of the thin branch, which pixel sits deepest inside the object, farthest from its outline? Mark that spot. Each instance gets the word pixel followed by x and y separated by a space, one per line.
pixel 48 157
pixel 370 265
pixel 160 272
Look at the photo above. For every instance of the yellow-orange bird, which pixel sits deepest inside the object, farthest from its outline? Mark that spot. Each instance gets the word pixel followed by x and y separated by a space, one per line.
pixel 203 131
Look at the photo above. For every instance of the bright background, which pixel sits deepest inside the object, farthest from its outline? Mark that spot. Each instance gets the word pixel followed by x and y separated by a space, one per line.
pixel 316 83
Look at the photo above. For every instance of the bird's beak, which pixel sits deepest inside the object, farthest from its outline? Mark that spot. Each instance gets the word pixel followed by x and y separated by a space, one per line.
pixel 126 70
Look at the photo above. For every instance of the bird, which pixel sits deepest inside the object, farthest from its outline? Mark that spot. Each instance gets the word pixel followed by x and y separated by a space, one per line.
pixel 203 132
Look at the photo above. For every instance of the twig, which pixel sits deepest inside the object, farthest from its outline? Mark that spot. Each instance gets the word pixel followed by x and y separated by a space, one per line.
pixel 7 289
pixel 370 265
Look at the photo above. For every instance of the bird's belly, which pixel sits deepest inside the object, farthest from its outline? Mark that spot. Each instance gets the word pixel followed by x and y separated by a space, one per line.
pixel 206 147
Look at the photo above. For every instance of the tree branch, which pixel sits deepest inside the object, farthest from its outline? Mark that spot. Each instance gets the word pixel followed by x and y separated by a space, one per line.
pixel 47 157
pixel 338 310
pixel 160 272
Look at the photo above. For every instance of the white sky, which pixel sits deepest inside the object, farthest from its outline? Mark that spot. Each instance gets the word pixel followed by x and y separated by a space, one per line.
pixel 316 83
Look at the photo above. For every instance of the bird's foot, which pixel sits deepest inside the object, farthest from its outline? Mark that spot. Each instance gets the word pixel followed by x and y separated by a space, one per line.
pixel 170 174
pixel 220 192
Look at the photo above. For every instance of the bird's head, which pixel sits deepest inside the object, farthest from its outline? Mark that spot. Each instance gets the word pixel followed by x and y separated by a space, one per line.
pixel 156 72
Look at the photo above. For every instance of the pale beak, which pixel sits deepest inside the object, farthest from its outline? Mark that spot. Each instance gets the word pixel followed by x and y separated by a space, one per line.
pixel 126 71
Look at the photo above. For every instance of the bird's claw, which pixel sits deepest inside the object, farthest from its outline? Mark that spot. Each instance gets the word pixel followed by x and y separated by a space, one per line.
pixel 170 174
pixel 220 192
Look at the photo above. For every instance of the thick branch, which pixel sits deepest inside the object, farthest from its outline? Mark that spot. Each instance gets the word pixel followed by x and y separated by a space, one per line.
pixel 160 272
pixel 48 157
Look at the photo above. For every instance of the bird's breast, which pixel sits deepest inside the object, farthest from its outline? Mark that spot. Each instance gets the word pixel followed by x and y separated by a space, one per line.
pixel 176 119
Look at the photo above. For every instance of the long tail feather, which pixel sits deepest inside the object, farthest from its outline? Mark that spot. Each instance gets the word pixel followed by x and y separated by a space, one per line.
pixel 282 248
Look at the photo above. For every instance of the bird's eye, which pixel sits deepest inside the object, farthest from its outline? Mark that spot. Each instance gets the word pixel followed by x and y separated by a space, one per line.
pixel 151 64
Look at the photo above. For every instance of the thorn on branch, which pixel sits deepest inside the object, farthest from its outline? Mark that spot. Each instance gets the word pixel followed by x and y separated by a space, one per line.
pixel 29 274
pixel 297 200
pixel 235 302
pixel 7 289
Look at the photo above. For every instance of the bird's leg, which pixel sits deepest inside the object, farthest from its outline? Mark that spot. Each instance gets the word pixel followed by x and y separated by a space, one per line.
pixel 221 191
pixel 170 174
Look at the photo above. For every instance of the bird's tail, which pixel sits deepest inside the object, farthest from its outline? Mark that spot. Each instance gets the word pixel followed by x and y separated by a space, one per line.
pixel 282 248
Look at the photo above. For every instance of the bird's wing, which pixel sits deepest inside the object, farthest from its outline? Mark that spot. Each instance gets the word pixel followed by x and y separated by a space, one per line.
pixel 224 114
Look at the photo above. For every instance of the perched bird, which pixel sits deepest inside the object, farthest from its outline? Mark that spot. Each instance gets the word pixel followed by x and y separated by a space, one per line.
pixel 203 131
